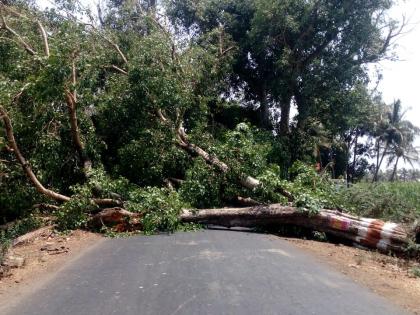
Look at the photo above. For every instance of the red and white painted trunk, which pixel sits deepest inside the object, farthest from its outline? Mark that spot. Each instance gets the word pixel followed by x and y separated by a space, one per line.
pixel 371 233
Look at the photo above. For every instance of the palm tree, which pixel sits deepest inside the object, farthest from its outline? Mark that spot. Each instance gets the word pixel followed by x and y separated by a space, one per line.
pixel 395 132
pixel 407 152
pixel 404 149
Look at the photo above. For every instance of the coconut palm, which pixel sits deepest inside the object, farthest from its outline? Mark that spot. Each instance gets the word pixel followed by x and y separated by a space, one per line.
pixel 393 132
pixel 409 154
pixel 404 148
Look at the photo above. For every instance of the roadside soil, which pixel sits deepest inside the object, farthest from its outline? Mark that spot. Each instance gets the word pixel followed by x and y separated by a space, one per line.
pixel 387 276
pixel 44 256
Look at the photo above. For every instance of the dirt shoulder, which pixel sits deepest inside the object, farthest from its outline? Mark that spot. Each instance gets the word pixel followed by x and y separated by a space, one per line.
pixel 43 258
pixel 387 276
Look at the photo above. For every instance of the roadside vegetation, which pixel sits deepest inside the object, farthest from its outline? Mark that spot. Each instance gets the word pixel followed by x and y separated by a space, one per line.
pixel 146 108
pixel 393 201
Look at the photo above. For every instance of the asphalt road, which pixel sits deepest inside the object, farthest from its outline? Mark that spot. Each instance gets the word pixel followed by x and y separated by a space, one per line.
pixel 206 272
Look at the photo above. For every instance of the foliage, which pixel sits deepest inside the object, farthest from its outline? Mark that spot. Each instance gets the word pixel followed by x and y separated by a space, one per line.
pixel 73 214
pixel 271 182
pixel 202 186
pixel 159 208
pixel 397 201
pixel 396 136
pixel 246 150
pixel 306 50
pixel 312 191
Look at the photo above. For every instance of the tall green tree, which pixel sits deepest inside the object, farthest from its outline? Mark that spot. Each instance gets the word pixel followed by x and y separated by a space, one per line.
pixel 294 51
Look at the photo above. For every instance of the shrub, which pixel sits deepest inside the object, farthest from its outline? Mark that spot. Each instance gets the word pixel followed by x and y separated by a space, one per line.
pixel 390 201
pixel 415 271
pixel 202 186
pixel 160 208
pixel 73 214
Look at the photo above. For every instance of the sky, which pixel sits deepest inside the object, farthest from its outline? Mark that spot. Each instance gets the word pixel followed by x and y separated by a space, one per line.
pixel 401 79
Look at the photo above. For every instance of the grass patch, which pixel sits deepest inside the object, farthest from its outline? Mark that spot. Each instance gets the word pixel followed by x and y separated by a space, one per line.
pixel 395 201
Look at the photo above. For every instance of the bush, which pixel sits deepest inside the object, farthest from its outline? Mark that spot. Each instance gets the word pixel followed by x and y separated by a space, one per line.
pixel 160 208
pixel 202 186
pixel 397 201
pixel 415 271
pixel 73 214
pixel 312 191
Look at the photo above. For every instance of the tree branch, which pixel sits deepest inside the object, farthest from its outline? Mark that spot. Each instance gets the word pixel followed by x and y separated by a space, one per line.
pixel 117 48
pixel 119 69
pixel 25 165
pixel 75 132
pixel 44 38
pixel 25 45
pixel 183 142
pixel 30 174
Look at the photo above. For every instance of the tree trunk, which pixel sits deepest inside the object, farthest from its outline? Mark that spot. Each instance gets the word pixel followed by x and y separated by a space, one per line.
pixel 264 112
pixel 117 218
pixel 354 156
pixel 32 235
pixel 375 176
pixel 380 161
pixel 395 170
pixel 303 108
pixel 285 115
pixel 71 100
pixel 369 233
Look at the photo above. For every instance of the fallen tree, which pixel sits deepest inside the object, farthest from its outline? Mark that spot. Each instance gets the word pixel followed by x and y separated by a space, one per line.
pixel 366 232
pixel 370 233
pixel 111 135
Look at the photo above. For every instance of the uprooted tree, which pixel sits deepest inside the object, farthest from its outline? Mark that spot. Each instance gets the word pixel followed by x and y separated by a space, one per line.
pixel 125 117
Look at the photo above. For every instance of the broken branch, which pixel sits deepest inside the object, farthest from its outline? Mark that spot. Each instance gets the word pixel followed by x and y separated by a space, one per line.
pixel 44 39
pixel 25 45
pixel 25 165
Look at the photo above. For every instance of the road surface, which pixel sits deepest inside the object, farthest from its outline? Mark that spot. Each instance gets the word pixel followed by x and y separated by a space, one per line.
pixel 206 272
